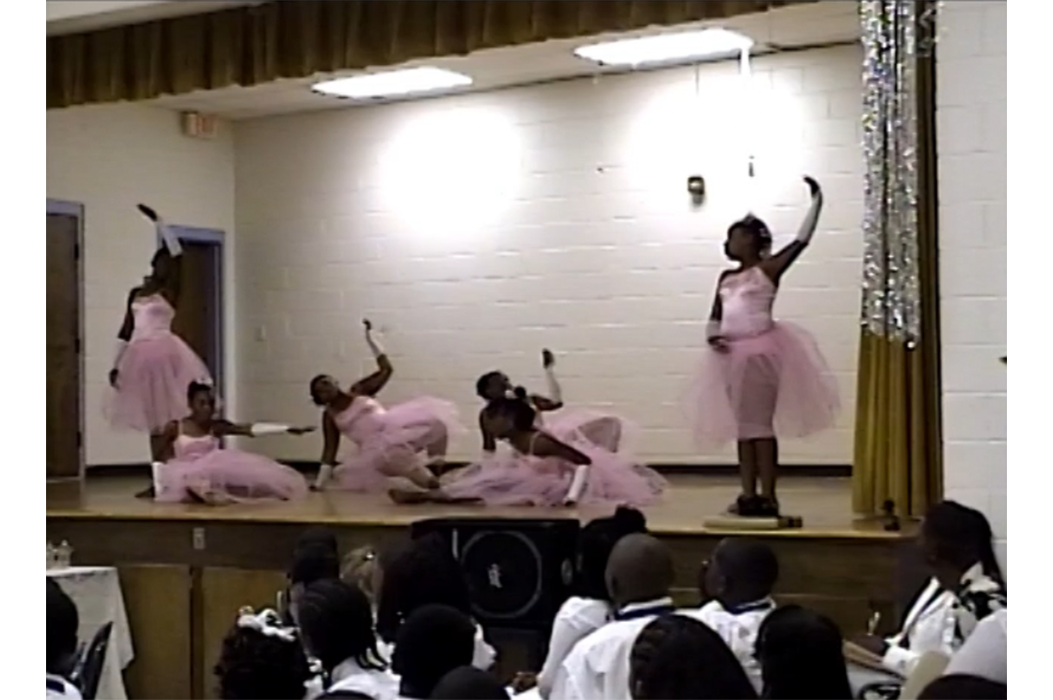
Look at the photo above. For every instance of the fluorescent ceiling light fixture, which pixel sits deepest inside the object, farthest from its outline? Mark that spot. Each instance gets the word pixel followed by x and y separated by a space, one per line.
pixel 666 48
pixel 393 83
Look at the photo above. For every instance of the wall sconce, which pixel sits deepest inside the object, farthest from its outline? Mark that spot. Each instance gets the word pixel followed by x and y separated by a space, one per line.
pixel 696 188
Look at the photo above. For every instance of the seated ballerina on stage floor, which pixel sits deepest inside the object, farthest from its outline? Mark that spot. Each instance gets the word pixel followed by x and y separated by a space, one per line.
pixel 390 441
pixel 761 378
pixel 543 470
pixel 600 429
pixel 196 468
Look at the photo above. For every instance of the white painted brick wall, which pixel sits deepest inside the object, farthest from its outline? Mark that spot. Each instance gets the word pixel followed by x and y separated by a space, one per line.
pixel 108 159
pixel 972 106
pixel 477 230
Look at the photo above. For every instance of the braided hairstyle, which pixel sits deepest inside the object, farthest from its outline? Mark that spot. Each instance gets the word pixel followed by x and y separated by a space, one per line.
pixel 359 569
pixel 595 544
pixel 336 622
pixel 255 666
pixel 677 657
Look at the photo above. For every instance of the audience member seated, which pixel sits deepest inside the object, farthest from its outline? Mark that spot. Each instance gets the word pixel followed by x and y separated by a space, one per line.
pixel 425 572
pixel 967 586
pixel 312 562
pixel 738 582
pixel 469 683
pixel 435 640
pixel 361 569
pixel 61 642
pixel 964 688
pixel 801 656
pixel 985 653
pixel 590 608
pixel 677 657
pixel 262 660
pixel 336 625
pixel 639 579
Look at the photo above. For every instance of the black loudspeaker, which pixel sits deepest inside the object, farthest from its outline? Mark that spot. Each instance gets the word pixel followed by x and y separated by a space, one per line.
pixel 519 571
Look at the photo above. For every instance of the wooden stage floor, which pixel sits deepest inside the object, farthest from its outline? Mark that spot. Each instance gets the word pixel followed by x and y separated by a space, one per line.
pixel 824 503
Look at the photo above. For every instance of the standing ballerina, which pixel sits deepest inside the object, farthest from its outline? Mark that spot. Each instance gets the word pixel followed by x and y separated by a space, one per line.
pixel 598 428
pixel 544 470
pixel 390 441
pixel 153 367
pixel 196 468
pixel 761 378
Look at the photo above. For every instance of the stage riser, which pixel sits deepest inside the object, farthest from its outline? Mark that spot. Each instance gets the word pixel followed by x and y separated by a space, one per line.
pixel 182 600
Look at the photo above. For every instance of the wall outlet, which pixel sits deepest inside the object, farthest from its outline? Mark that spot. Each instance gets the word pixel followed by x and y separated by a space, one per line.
pixel 198 537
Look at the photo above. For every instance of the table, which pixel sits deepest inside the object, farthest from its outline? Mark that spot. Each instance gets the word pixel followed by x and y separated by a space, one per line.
pixel 96 591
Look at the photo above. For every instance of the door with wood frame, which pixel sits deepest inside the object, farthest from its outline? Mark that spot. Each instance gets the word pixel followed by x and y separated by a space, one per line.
pixel 64 429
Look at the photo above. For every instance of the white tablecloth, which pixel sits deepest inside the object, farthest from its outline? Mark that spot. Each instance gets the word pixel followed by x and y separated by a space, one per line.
pixel 97 594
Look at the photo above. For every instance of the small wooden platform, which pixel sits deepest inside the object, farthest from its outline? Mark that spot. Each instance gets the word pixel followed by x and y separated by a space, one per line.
pixel 187 569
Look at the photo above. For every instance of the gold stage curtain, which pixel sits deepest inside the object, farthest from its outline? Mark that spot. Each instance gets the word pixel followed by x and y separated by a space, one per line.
pixel 300 38
pixel 898 432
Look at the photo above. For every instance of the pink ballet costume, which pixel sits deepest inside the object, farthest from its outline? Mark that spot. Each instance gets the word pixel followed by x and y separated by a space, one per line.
pixel 772 381
pixel 201 466
pixel 390 440
pixel 515 479
pixel 604 430
pixel 154 372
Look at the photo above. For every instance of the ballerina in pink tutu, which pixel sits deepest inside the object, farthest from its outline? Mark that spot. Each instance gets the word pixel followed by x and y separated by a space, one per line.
pixel 761 378
pixel 197 469
pixel 598 428
pixel 153 367
pixel 390 441
pixel 546 471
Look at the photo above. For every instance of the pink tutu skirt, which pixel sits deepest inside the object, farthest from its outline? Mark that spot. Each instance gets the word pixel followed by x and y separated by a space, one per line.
pixel 604 430
pixel 394 448
pixel 152 380
pixel 773 384
pixel 239 475
pixel 516 480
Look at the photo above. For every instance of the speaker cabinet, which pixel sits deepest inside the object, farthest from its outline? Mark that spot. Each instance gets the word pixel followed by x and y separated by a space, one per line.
pixel 519 571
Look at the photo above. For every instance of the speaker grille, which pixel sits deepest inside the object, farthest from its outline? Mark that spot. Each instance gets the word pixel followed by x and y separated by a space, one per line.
pixel 505 571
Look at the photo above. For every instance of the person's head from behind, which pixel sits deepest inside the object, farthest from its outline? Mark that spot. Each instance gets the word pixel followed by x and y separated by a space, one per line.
pixel 741 570
pixel 640 569
pixel 312 562
pixel 962 687
pixel 63 621
pixel 423 572
pixel 434 640
pixel 493 386
pixel 336 624
pixel 801 654
pixel 749 240
pixel 361 569
pixel 595 544
pixel 324 390
pixel 676 657
pixel 261 660
pixel 201 400
pixel 469 683
pixel 955 538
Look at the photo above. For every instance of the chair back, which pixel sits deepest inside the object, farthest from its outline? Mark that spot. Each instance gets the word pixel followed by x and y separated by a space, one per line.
pixel 88 670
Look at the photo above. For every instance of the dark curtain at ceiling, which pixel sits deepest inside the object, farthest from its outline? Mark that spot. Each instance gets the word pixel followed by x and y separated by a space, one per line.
pixel 296 39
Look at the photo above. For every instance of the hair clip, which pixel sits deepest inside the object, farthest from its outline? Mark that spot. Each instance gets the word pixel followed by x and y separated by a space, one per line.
pixel 268 623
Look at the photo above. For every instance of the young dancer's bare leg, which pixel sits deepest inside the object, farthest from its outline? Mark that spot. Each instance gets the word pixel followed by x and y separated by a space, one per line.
pixel 157 446
pixel 767 453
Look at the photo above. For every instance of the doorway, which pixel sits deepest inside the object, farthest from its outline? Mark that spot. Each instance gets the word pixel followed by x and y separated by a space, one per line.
pixel 65 370
pixel 199 319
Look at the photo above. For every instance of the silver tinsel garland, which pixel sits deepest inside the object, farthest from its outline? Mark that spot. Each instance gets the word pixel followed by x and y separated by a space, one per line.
pixel 891 44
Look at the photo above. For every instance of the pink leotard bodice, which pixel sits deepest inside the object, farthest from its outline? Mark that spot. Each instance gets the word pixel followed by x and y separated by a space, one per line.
pixel 187 447
pixel 360 421
pixel 747 299
pixel 153 317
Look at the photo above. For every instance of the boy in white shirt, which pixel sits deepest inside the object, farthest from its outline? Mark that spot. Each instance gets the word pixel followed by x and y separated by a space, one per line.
pixel 639 578
pixel 738 582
